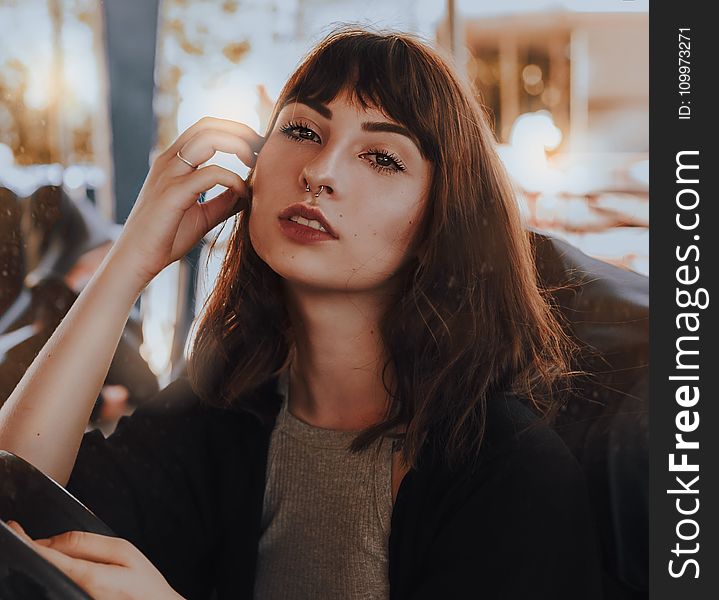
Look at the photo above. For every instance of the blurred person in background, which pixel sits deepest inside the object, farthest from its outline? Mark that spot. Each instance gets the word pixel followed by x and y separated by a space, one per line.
pixel 63 243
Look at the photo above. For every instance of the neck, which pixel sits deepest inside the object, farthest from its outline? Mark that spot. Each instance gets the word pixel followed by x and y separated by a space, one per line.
pixel 336 376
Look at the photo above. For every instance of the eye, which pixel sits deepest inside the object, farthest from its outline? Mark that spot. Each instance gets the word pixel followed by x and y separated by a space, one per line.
pixel 299 132
pixel 383 161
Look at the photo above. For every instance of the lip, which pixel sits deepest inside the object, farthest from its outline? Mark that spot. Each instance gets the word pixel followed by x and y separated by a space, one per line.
pixel 302 233
pixel 308 212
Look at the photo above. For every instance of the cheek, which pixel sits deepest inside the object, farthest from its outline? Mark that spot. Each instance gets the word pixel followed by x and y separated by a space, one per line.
pixel 277 163
pixel 388 237
pixel 271 176
pixel 262 217
pixel 400 224
pixel 262 166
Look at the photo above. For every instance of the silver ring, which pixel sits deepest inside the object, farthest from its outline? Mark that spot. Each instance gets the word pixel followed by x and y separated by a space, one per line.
pixel 187 162
pixel 317 195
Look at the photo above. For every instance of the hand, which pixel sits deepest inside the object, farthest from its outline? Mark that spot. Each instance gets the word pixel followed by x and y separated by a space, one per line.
pixel 167 221
pixel 105 567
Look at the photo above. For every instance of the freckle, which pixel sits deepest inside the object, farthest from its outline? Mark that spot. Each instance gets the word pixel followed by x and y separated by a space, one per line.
pixel 355 235
pixel 340 214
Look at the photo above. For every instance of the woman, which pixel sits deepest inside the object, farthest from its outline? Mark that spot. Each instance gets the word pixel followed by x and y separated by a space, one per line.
pixel 378 288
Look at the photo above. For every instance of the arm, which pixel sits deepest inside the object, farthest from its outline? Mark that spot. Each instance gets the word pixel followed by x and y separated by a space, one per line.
pixel 44 418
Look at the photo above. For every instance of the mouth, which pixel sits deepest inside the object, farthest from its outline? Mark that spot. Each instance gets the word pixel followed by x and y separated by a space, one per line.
pixel 308 216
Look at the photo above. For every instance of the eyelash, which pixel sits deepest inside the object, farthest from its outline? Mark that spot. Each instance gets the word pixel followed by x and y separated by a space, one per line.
pixel 291 126
pixel 383 153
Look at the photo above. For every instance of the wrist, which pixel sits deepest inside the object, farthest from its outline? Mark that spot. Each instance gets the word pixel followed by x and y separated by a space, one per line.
pixel 119 270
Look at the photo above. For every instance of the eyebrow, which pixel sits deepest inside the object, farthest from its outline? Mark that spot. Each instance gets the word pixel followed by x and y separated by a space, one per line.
pixel 381 126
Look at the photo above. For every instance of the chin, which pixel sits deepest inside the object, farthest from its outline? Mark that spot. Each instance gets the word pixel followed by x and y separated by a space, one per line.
pixel 321 271
pixel 302 270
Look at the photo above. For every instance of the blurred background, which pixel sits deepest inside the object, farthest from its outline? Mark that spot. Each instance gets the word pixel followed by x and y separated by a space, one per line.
pixel 90 91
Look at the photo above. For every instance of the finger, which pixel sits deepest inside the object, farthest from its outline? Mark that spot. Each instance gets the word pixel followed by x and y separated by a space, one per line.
pixel 92 547
pixel 17 528
pixel 254 139
pixel 79 570
pixel 219 209
pixel 76 569
pixel 207 177
pixel 202 147
pixel 199 219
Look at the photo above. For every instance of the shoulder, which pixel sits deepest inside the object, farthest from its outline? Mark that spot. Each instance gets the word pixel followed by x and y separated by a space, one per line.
pixel 523 447
pixel 177 428
pixel 516 444
pixel 524 473
pixel 178 408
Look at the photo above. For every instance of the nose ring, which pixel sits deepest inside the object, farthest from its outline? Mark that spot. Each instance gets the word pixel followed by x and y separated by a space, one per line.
pixel 317 195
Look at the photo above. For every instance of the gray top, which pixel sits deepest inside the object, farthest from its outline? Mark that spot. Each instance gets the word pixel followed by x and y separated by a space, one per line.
pixel 326 514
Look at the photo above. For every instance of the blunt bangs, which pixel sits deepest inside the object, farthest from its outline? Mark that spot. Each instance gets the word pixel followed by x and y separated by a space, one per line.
pixel 384 73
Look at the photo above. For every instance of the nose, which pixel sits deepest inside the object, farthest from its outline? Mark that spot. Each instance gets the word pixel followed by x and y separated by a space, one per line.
pixel 319 175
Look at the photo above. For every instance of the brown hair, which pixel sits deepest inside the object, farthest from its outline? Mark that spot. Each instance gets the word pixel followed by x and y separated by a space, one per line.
pixel 470 320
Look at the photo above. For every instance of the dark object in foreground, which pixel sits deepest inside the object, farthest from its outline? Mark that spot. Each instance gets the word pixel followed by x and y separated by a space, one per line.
pixel 44 509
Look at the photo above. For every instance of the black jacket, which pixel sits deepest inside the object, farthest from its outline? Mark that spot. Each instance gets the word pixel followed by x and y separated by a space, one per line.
pixel 185 483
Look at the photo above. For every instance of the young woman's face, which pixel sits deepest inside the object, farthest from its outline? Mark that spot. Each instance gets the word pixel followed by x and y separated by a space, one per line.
pixel 375 186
